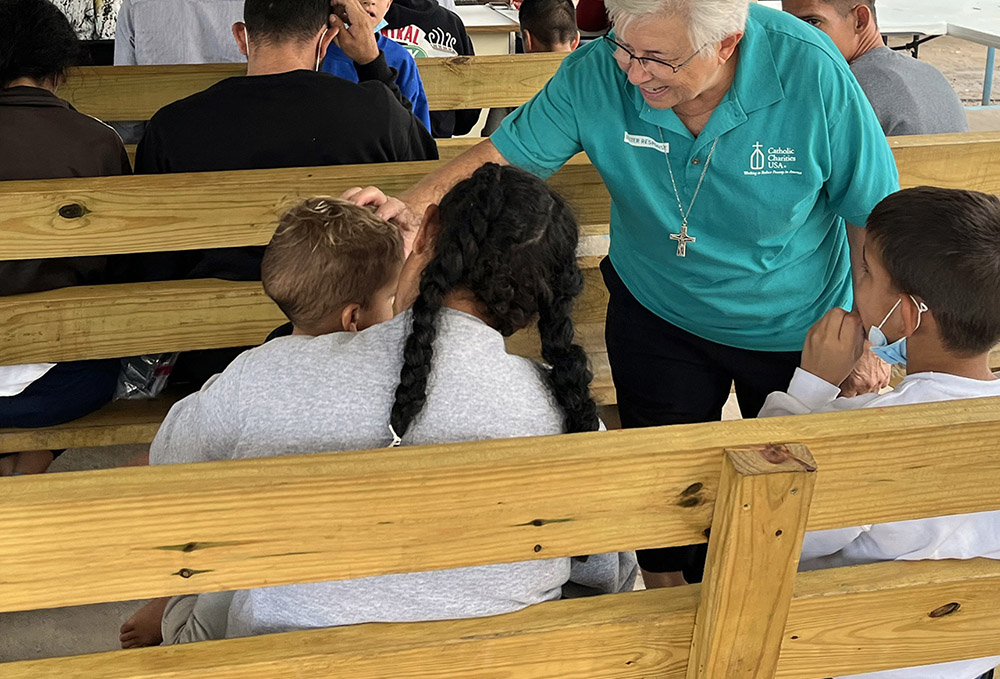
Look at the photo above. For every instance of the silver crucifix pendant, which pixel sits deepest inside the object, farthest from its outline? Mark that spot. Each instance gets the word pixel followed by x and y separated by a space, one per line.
pixel 682 239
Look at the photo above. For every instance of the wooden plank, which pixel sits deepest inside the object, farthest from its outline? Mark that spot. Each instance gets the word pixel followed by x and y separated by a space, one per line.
pixel 137 92
pixel 354 514
pixel 968 160
pixel 880 612
pixel 753 555
pixel 121 422
pixel 142 318
pixel 109 321
pixel 152 213
pixel 869 618
pixel 117 215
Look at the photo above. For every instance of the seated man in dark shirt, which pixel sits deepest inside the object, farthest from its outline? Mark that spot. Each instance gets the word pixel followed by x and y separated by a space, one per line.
pixel 281 114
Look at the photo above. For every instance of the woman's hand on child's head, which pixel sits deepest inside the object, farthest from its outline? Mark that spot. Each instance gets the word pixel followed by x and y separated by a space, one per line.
pixel 834 346
pixel 389 208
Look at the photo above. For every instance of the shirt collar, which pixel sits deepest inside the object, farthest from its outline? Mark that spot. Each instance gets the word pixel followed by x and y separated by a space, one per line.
pixel 756 86
pixel 31 96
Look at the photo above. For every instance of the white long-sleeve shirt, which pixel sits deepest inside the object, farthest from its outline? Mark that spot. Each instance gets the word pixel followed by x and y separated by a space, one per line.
pixel 177 32
pixel 965 536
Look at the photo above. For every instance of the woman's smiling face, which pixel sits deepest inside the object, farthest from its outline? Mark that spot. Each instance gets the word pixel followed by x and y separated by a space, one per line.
pixel 666 39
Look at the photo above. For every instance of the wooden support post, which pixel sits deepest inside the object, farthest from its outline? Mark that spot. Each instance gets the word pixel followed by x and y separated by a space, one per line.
pixel 753 554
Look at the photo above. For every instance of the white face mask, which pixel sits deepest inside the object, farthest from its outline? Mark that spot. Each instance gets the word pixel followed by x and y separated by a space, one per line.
pixel 319 46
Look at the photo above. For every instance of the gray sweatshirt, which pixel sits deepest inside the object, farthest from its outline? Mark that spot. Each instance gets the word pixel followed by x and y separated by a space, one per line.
pixel 909 96
pixel 301 395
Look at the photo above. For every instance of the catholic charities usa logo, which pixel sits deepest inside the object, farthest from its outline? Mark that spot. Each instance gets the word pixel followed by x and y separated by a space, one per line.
pixel 772 160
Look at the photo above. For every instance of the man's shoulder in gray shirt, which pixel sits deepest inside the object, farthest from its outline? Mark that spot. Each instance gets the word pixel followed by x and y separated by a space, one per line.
pixel 909 96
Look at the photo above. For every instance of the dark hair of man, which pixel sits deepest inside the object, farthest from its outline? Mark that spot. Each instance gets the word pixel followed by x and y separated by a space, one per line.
pixel 325 254
pixel 278 21
pixel 943 246
pixel 511 241
pixel 845 6
pixel 36 41
pixel 549 21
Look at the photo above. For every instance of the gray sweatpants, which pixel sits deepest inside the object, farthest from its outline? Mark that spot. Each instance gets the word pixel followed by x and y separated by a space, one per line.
pixel 196 617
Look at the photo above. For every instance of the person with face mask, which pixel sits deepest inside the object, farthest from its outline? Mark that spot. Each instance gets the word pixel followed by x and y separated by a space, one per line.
pixel 909 96
pixel 929 294
pixel 739 152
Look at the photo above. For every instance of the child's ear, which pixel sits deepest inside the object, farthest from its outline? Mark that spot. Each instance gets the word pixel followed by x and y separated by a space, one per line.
pixel 576 42
pixel 350 317
pixel 528 40
pixel 911 315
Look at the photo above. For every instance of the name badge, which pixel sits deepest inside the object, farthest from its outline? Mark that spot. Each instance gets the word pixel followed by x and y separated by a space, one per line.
pixel 647 143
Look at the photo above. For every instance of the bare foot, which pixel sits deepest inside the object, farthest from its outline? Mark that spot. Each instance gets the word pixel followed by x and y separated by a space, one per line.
pixel 137 461
pixel 33 462
pixel 660 580
pixel 26 462
pixel 143 628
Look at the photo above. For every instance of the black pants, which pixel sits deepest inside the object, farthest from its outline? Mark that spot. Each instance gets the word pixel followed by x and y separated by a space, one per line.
pixel 664 375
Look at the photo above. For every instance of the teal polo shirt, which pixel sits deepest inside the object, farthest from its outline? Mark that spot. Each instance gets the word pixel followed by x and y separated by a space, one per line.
pixel 800 150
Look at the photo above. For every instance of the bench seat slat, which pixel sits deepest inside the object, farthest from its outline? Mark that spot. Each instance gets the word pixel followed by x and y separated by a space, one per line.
pixel 840 621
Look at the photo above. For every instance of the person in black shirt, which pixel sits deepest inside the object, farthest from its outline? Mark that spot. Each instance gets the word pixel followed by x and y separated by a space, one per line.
pixel 282 114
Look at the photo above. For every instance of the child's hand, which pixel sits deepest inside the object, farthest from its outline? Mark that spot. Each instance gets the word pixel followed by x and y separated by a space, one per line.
pixel 355 30
pixel 834 345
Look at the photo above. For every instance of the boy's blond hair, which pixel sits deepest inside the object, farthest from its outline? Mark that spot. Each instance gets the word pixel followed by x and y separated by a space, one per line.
pixel 325 254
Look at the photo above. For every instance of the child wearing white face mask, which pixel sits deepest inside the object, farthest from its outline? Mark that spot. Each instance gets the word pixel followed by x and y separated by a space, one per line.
pixel 931 275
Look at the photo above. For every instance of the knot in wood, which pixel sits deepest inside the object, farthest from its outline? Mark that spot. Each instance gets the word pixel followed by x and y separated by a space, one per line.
pixel 185 572
pixel 538 548
pixel 947 609
pixel 72 211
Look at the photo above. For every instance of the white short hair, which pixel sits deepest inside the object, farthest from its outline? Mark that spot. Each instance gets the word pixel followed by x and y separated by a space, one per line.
pixel 709 21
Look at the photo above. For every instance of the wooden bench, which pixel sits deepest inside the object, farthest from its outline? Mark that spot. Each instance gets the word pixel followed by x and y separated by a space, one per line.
pixel 451 83
pixel 137 214
pixel 756 484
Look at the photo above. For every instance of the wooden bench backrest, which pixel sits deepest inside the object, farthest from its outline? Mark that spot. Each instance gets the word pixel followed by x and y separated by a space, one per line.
pixel 120 534
pixel 451 83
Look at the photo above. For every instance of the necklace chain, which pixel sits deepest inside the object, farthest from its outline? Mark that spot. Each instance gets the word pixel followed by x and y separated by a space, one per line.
pixel 673 182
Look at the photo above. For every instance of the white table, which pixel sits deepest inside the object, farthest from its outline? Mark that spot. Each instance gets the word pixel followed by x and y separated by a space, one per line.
pixel 492 32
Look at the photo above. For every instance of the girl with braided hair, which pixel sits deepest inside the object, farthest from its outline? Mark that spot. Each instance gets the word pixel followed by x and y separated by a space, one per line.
pixel 504 251
pixel 498 253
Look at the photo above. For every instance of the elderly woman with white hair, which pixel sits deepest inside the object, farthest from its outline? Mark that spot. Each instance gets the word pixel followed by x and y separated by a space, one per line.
pixel 740 153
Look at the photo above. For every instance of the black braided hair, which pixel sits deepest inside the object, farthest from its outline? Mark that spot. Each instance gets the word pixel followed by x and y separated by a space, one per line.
pixel 511 241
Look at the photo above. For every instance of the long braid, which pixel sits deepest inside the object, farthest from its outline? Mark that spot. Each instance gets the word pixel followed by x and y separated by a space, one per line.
pixel 437 280
pixel 510 241
pixel 569 377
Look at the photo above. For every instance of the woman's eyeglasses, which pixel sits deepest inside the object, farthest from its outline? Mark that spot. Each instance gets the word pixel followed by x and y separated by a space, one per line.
pixel 651 65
